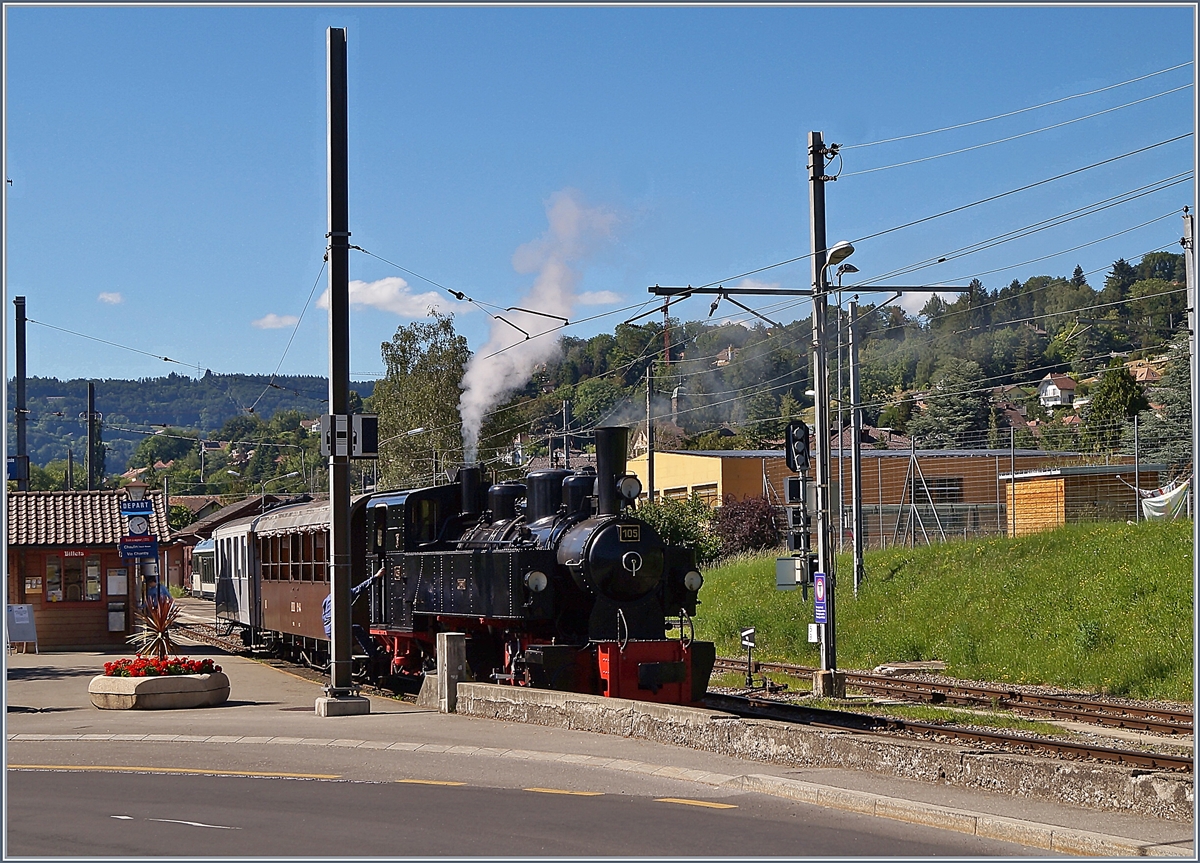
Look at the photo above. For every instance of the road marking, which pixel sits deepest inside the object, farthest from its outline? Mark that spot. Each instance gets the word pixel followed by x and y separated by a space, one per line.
pixel 193 824
pixel 122 817
pixel 704 803
pixel 562 791
pixel 429 782
pixel 118 769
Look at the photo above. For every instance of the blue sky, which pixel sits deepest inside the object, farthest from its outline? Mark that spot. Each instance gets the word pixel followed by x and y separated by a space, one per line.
pixel 168 163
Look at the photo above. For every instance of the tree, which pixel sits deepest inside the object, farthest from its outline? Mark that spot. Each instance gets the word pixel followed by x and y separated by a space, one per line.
pixel 957 405
pixel 1165 429
pixel 1114 399
pixel 1118 282
pixel 745 525
pixel 685 523
pixel 424 363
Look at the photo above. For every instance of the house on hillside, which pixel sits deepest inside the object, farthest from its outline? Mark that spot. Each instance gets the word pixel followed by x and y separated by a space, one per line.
pixel 1055 390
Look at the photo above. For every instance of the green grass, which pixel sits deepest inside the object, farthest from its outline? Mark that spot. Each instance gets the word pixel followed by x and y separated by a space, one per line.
pixel 1098 607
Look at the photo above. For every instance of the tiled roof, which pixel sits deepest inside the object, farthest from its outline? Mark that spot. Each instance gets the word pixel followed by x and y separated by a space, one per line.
pixel 251 505
pixel 79 518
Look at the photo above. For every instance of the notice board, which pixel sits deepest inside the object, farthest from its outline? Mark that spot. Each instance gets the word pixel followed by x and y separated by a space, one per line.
pixel 21 625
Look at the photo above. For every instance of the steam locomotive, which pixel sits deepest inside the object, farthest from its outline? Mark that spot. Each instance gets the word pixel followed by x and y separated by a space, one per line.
pixel 554 582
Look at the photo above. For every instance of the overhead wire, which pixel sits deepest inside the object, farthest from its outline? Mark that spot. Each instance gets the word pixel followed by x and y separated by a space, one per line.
pixel 1011 137
pixel 1016 112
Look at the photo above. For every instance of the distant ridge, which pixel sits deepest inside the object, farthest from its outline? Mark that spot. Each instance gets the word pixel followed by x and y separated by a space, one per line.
pixel 203 404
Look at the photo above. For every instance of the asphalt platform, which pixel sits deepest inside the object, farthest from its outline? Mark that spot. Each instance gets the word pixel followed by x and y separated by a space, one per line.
pixel 270 720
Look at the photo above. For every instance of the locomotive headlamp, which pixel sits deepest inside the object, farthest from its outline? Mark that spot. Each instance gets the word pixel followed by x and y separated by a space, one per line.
pixel 693 580
pixel 536 581
pixel 629 487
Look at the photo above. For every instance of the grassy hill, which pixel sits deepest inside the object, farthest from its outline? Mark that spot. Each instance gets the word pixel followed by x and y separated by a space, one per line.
pixel 1100 607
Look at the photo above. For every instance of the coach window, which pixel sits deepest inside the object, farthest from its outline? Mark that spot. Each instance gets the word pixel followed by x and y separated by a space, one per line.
pixel 92 575
pixel 306 565
pixel 297 555
pixel 319 556
pixel 54 591
pixel 265 561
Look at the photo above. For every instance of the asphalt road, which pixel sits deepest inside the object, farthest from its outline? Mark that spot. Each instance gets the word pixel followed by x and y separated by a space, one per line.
pixel 109 812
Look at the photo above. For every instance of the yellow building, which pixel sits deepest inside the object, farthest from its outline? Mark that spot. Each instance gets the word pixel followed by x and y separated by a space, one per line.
pixel 714 474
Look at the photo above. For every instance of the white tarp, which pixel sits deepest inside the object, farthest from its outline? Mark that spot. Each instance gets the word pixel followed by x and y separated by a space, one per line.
pixel 1167 505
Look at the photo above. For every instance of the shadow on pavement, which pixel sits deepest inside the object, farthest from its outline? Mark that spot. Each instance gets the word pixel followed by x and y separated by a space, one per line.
pixel 48 672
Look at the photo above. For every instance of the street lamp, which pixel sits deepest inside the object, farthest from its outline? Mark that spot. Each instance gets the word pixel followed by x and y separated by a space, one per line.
pixel 833 257
pixel 841 271
pixel 136 490
pixel 263 484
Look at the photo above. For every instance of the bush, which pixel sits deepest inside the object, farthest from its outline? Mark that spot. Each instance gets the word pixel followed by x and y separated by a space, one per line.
pixel 745 525
pixel 684 522
pixel 177 592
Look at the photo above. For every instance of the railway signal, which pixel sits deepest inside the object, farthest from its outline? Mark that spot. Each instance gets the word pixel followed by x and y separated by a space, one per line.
pixel 797 449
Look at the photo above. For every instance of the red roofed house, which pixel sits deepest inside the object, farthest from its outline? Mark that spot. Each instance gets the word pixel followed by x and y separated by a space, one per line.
pixel 63 560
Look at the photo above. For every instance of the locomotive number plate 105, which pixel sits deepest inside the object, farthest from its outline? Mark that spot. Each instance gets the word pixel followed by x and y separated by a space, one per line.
pixel 630 532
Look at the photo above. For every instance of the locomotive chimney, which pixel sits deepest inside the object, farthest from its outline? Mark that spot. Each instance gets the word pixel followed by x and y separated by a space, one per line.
pixel 469 479
pixel 611 448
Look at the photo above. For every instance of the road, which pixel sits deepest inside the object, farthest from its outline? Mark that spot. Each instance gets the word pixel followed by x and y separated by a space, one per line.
pixel 111 812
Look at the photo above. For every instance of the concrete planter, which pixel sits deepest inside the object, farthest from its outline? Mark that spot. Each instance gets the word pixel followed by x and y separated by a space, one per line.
pixel 168 692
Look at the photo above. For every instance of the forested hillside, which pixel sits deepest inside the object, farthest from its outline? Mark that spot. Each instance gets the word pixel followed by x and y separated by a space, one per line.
pixel 130 409
pixel 961 372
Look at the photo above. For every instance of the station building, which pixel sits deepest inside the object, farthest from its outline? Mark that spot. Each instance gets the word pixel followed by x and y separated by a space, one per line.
pixel 63 559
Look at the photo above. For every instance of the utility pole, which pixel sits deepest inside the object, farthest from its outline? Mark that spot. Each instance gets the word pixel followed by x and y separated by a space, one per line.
pixel 856 448
pixel 21 411
pixel 566 438
pixel 1189 268
pixel 825 562
pixel 91 438
pixel 649 433
pixel 341 694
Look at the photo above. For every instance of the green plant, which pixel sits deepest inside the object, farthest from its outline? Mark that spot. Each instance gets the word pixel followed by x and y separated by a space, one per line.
pixel 156 618
pixel 177 592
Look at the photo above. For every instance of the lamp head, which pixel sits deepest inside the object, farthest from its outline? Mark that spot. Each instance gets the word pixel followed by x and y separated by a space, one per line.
pixel 847 268
pixel 840 251
pixel 136 490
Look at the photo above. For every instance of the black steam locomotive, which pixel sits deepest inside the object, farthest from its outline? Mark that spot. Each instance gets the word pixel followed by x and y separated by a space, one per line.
pixel 569 591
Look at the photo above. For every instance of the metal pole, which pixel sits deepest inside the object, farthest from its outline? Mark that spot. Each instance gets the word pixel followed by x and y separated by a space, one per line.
pixel 649 434
pixel 820 289
pixel 856 449
pixel 841 539
pixel 91 438
pixel 340 682
pixel 1012 483
pixel 1137 474
pixel 22 449
pixel 566 439
pixel 1189 268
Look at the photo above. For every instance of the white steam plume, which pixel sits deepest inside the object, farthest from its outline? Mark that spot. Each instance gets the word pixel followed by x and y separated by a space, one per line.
pixel 574 229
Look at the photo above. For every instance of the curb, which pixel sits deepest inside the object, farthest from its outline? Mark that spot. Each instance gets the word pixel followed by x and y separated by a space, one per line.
pixel 1045 836
pixel 1048 837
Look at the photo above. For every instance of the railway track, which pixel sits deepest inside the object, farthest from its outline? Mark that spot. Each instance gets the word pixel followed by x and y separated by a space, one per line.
pixel 1158 719
pixel 864 723
pixel 845 720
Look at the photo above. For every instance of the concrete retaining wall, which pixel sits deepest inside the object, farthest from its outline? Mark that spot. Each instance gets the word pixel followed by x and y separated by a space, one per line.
pixel 1100 786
